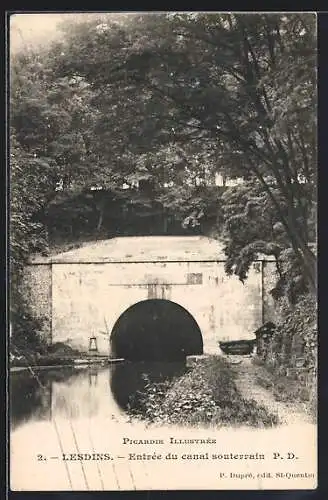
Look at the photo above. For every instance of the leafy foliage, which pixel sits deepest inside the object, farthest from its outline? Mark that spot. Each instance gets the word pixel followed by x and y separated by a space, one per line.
pixel 301 321
pixel 43 150
pixel 252 227
pixel 291 353
pixel 218 82
pixel 167 101
pixel 205 395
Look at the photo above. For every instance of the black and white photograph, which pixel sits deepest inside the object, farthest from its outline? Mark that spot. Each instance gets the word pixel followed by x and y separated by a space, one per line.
pixel 162 250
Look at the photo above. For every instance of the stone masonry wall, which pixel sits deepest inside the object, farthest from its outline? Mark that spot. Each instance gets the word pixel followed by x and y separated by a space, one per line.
pixel 78 301
pixel 38 289
pixel 89 298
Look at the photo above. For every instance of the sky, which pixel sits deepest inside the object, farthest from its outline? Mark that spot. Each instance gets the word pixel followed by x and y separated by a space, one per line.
pixel 32 30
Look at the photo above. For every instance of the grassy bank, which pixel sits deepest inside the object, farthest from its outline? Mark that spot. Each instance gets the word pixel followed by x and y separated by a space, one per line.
pixel 205 395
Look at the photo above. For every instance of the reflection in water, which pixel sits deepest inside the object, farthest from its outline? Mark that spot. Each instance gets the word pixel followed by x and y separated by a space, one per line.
pixel 86 392
pixel 30 396
pixel 128 380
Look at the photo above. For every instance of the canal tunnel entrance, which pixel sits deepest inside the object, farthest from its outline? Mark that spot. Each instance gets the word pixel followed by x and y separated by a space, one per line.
pixel 156 330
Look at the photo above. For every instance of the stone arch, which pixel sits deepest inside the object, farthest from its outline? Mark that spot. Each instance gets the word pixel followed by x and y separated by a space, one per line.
pixel 156 329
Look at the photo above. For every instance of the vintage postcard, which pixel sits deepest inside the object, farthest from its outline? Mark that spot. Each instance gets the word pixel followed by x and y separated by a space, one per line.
pixel 163 306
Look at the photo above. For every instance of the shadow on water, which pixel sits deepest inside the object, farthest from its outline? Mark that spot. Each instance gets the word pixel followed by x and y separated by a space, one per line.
pixel 92 391
pixel 128 380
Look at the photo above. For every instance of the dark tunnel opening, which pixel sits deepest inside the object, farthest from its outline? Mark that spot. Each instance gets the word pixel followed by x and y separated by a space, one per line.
pixel 156 330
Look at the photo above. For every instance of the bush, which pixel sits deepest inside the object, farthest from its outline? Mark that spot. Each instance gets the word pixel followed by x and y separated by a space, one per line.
pixel 291 355
pixel 299 323
pixel 206 395
pixel 52 355
pixel 26 333
pixel 60 349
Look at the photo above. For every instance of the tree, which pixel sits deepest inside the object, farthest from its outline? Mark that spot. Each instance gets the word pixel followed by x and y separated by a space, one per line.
pixel 252 227
pixel 166 98
pixel 244 82
pixel 45 147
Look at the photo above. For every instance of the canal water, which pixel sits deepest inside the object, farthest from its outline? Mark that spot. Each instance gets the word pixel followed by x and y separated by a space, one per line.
pixel 86 392
pixel 59 415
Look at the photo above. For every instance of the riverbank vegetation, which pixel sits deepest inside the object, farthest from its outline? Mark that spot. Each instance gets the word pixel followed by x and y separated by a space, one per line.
pixel 122 125
pixel 38 353
pixel 205 395
pixel 289 357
